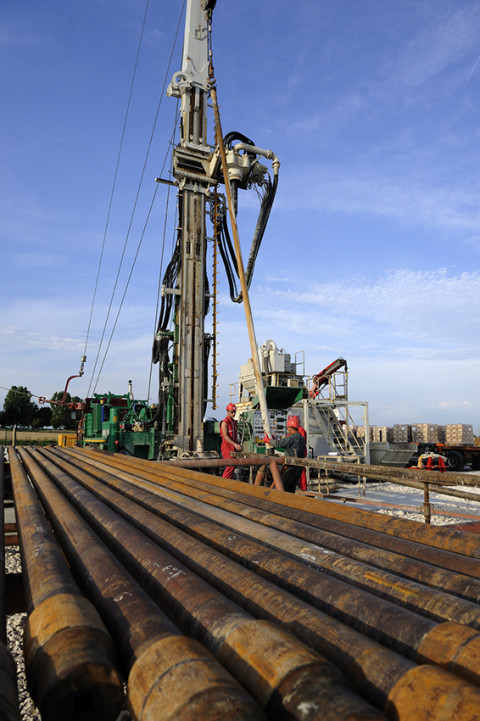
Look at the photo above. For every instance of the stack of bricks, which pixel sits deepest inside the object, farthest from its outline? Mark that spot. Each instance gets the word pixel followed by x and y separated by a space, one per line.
pixel 381 434
pixel 425 433
pixel 360 432
pixel 401 433
pixel 459 434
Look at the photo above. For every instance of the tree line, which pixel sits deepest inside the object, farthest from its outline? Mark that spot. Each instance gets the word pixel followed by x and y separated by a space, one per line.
pixel 20 410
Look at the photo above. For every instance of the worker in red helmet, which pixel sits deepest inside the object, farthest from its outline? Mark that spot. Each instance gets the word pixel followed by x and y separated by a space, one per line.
pixel 302 481
pixel 229 435
pixel 294 445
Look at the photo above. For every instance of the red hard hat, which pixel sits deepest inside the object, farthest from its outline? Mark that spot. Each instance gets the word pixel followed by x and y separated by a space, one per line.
pixel 231 407
pixel 293 422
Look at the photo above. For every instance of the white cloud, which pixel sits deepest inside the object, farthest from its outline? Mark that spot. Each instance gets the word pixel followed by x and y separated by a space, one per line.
pixel 408 199
pixel 437 47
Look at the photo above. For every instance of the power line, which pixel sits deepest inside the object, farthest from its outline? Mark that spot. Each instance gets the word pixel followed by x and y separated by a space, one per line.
pixel 115 176
pixel 166 79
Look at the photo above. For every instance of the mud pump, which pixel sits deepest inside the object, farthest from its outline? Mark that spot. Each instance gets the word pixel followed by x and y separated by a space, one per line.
pixel 181 346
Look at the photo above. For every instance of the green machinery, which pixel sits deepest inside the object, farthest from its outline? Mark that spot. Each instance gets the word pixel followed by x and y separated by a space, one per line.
pixel 120 423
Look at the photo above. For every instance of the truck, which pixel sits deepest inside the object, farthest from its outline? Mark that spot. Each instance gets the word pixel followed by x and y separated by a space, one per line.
pixel 460 456
pixel 457 456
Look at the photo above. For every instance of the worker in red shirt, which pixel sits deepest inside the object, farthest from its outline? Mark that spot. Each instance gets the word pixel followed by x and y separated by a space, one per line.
pixel 228 433
pixel 295 422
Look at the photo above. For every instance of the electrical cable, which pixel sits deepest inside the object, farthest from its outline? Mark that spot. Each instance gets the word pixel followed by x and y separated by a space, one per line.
pixel 115 177
pixel 166 78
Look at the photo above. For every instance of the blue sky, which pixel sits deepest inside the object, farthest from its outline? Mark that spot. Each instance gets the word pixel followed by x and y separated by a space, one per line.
pixel 372 250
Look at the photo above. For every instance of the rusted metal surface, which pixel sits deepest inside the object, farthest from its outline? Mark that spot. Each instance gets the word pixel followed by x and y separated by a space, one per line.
pixel 410 568
pixel 297 508
pixel 394 626
pixel 10 534
pixel 273 665
pixel 150 647
pixel 216 556
pixel 432 602
pixel 399 506
pixel 69 655
pixel 437 537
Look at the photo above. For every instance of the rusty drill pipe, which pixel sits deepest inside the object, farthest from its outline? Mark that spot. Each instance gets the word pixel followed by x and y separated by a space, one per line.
pixel 222 462
pixel 69 655
pixel 165 670
pixel 396 627
pixel 285 677
pixel 369 471
pixel 365 661
pixel 432 602
pixel 277 480
pixel 467 544
pixel 455 583
pixel 443 559
pixel 442 538
pixel 414 569
pixel 438 557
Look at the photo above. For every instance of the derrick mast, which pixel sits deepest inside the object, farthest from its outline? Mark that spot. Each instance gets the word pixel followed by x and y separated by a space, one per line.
pixel 187 381
pixel 181 346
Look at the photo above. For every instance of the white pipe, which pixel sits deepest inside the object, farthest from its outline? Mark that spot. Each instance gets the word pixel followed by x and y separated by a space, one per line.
pixel 269 154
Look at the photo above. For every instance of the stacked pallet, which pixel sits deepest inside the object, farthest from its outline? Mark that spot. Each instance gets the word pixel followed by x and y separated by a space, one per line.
pixel 425 433
pixel 381 434
pixel 459 434
pixel 401 433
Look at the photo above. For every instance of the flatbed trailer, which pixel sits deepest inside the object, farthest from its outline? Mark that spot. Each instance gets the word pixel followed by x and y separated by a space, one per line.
pixel 459 456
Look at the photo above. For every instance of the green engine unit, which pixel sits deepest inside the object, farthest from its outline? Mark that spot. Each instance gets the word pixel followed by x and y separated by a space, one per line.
pixel 121 424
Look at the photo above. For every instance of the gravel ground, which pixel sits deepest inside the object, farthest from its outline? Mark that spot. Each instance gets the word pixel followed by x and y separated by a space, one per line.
pixel 382 492
pixel 15 626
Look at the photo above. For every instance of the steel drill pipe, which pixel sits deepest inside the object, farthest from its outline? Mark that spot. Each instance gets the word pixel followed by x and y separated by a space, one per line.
pixel 285 677
pixel 467 544
pixel 437 557
pixel 214 463
pixel 414 569
pixel 455 583
pixel 168 674
pixel 69 655
pixel 362 658
pixel 395 627
pixel 429 601
pixel 368 471
pixel 273 503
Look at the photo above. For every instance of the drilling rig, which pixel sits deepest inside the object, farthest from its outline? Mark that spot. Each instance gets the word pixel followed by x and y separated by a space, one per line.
pixel 181 345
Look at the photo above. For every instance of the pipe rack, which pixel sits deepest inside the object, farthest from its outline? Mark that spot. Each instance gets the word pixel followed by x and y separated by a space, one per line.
pixel 255 602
